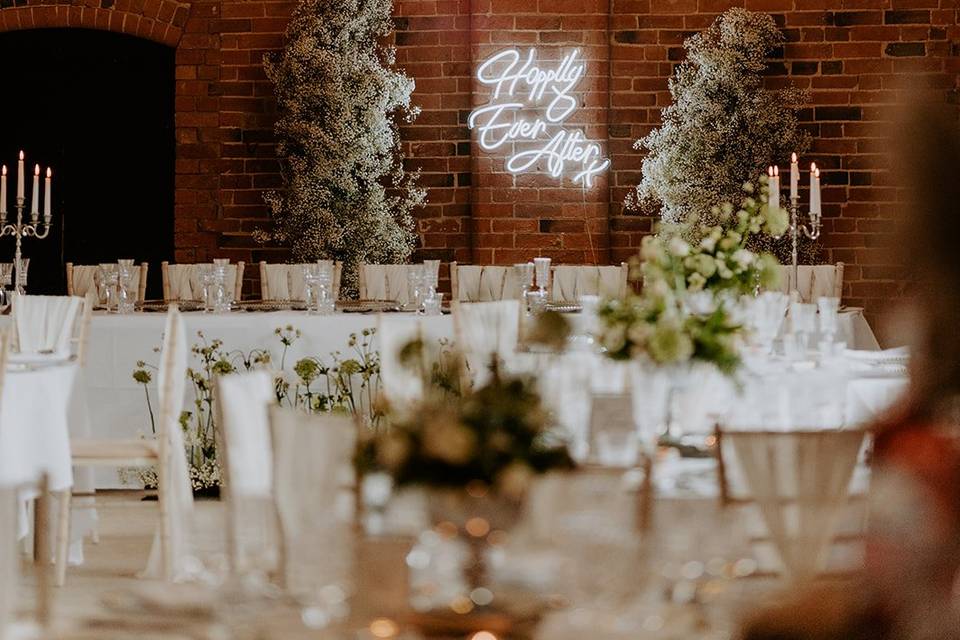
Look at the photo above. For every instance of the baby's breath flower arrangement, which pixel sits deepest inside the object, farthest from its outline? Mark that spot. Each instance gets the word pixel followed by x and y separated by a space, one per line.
pixel 667 322
pixel 346 195
pixel 722 127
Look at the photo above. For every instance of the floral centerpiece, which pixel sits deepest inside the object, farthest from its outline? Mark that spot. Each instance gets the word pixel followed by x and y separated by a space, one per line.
pixel 474 452
pixel 684 312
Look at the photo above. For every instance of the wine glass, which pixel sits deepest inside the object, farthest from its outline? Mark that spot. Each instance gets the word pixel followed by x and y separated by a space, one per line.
pixel 108 284
pixel 803 323
pixel 415 287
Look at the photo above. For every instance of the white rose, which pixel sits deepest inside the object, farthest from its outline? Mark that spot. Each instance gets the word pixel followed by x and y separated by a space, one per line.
pixel 679 247
pixel 743 257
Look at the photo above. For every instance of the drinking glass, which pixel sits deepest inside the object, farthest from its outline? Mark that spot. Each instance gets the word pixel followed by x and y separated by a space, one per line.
pixel 22 274
pixel 829 310
pixel 432 303
pixel 587 324
pixel 326 299
pixel 206 278
pixel 765 317
pixel 541 267
pixel 108 284
pixel 431 274
pixel 311 277
pixel 803 323
pixel 221 297
pixel 126 293
pixel 523 273
pixel 415 289
pixel 6 280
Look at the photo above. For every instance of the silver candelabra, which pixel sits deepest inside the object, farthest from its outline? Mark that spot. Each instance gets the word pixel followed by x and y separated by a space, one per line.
pixel 812 232
pixel 22 230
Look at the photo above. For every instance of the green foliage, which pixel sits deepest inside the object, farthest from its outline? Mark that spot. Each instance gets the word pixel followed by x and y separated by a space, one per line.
pixel 346 196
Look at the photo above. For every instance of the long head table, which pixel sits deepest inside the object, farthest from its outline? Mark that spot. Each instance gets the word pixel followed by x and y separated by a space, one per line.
pixel 116 402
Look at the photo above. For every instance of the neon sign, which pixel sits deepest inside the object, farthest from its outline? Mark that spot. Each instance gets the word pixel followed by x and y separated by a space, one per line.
pixel 519 86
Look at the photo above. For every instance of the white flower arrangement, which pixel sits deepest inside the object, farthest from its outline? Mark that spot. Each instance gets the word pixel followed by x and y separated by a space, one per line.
pixel 346 195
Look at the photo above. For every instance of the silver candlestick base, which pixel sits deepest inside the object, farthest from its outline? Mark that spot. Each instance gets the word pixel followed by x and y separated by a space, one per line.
pixel 19 230
pixel 811 231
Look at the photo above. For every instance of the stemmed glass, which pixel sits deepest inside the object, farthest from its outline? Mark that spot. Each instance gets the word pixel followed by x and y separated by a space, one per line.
pixel 829 311
pixel 22 273
pixel 311 278
pixel 415 287
pixel 765 316
pixel 125 294
pixel 803 323
pixel 206 278
pixel 539 297
pixel 6 280
pixel 326 300
pixel 523 272
pixel 221 297
pixel 108 284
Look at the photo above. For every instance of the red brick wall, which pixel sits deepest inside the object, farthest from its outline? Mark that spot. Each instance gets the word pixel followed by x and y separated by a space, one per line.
pixel 849 54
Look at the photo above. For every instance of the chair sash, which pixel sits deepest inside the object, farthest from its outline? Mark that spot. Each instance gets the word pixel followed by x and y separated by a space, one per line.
pixel 182 281
pixel 44 323
pixel 285 282
pixel 247 469
pixel 800 482
pixel 171 551
pixel 384 282
pixel 476 283
pixel 86 279
pixel 315 452
pixel 572 281
pixel 484 330
pixel 815 281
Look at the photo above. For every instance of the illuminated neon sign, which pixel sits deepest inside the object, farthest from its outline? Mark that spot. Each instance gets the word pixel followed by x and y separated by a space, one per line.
pixel 520 86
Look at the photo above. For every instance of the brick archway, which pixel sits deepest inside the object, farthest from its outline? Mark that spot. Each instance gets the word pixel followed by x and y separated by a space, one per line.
pixel 162 21
pixel 192 30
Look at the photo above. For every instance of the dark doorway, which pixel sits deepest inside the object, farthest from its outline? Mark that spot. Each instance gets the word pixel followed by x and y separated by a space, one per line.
pixel 98 107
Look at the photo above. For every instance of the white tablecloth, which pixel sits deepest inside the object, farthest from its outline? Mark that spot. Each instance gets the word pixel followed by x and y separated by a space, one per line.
pixel 116 402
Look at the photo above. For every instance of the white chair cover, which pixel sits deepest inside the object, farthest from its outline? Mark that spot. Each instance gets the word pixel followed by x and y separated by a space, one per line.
pixel 800 482
pixel 246 453
pixel 285 281
pixel 384 282
pixel 475 283
pixel 184 282
pixel 572 281
pixel 44 323
pixel 176 493
pixel 484 330
pixel 400 386
pixel 815 281
pixel 313 476
pixel 86 279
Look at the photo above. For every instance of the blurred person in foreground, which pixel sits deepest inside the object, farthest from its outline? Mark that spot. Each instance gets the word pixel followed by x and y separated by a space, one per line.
pixel 909 586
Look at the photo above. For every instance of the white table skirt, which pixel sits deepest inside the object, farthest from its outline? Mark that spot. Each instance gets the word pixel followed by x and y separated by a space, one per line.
pixel 116 402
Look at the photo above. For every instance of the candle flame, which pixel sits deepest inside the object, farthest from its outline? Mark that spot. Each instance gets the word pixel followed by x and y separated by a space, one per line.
pixel 813 167
pixel 4 169
pixel 770 171
pixel 21 155
pixel 36 170
pixel 49 172
pixel 816 172
pixel 793 157
pixel 776 171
